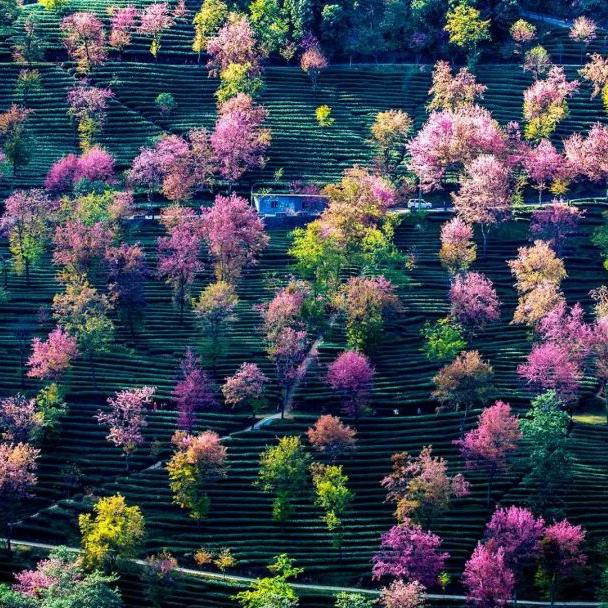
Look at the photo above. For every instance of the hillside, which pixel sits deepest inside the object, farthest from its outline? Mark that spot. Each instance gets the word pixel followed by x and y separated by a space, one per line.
pixel 176 282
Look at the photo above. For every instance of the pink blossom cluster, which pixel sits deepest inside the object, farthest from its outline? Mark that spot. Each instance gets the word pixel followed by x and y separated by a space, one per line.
pixel 193 392
pixel 589 155
pixel 96 164
pixel 474 301
pixel 122 22
pixel 234 43
pixel 494 439
pixel 78 245
pixel 19 420
pixel 544 94
pixel 154 19
pixel 178 253
pixel 126 417
pixel 555 222
pixel 455 232
pixel 351 375
pixel 514 539
pixel 583 30
pixel 234 234
pixel 52 356
pixel 17 470
pixel 26 207
pixel 329 435
pixel 246 384
pixel 453 138
pixel 408 552
pixel 285 308
pixel 238 140
pixel 84 39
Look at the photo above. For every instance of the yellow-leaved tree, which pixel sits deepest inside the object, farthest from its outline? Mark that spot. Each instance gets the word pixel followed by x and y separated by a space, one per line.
pixel 114 531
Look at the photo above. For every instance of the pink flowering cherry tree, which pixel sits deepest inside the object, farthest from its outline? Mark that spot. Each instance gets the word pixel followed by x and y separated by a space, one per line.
pixel 550 366
pixel 234 234
pixel 122 23
pixel 517 532
pixel 178 253
pixel 484 196
pixel 561 551
pixel 51 357
pixel 474 301
pixel 351 375
pixel 410 553
pixel 154 20
pixel 489 581
pixel 84 39
pixel 17 480
pixel 553 223
pixel 126 419
pixel 193 392
pixel 330 436
pixel 238 140
pixel 489 445
pixel 245 388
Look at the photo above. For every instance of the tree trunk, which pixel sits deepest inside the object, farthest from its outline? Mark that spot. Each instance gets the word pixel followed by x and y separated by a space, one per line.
pixel 553 589
pixel 8 534
pixel 27 272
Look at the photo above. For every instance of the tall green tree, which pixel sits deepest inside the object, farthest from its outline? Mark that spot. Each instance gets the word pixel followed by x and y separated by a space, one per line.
pixel 283 472
pixel 545 427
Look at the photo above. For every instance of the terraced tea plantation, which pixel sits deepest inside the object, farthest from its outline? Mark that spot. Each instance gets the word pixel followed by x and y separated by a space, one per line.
pixel 212 394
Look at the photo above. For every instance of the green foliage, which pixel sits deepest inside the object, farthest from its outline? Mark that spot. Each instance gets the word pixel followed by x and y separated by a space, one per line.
pixel 50 404
pixel 12 599
pixel 70 586
pixel 545 427
pixel 28 45
pixel 272 592
pixel 332 496
pixel 283 471
pixel 602 593
pixel 235 79
pixel 380 255
pixel 28 82
pixel 320 259
pixel 17 146
pixel 444 339
pixel 187 486
pixel 82 312
pixel 54 5
pixel 467 29
pixel 600 239
pixel 165 102
pixel 207 22
pixel 352 600
pixel 270 24
pixel 9 11
pixel 91 208
pixel 27 244
pixel 542 126
pixel 324 117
